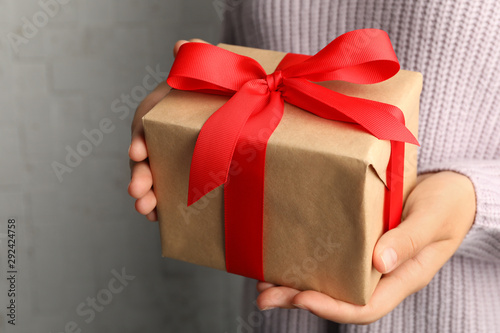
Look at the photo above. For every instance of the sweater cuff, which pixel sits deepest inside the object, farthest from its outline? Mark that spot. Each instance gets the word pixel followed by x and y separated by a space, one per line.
pixel 483 240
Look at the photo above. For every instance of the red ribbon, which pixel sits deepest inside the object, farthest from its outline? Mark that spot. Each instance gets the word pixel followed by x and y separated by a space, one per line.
pixel 231 146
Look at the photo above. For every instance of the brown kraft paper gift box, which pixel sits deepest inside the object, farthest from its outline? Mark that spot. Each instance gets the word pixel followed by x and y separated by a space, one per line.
pixel 324 189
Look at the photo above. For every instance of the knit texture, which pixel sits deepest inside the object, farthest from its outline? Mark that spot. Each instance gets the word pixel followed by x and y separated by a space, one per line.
pixel 455 44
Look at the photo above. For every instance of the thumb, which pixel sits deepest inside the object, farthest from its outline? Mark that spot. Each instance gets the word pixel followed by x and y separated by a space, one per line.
pixel 405 241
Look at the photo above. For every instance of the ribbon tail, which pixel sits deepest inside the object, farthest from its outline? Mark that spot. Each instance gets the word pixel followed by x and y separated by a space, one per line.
pixel 384 121
pixel 244 193
pixel 217 140
pixel 393 206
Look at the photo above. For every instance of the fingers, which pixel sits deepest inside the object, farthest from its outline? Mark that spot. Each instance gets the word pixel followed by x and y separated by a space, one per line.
pixel 138 150
pixel 153 216
pixel 141 181
pixel 404 242
pixel 178 45
pixel 274 297
pixel 393 288
pixel 261 286
pixel 146 204
pixel 441 207
pixel 423 223
pixel 331 309
pixel 389 293
pixel 182 41
pixel 411 276
pixel 140 188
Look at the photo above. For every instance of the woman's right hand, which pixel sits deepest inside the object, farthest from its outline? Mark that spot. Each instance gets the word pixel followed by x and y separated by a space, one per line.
pixel 141 183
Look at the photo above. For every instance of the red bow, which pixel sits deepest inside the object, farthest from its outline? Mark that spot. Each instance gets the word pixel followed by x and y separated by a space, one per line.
pixel 250 116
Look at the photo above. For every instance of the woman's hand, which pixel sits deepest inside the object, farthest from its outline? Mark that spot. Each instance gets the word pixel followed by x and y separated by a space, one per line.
pixel 141 183
pixel 437 215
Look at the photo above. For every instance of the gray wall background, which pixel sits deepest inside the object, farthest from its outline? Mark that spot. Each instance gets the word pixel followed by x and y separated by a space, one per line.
pixel 71 235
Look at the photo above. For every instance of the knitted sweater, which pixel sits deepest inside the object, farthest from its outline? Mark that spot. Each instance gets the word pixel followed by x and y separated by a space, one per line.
pixel 456 45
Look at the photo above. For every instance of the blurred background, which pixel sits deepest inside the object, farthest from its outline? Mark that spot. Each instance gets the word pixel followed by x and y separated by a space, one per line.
pixel 85 260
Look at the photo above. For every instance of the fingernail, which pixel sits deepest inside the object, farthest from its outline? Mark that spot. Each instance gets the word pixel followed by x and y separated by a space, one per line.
pixel 268 308
pixel 389 258
pixel 300 306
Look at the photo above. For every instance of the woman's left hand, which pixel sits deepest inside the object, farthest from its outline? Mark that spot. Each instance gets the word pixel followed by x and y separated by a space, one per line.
pixel 437 215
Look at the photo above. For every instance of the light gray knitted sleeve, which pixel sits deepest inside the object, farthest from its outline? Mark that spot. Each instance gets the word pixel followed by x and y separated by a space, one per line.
pixel 483 240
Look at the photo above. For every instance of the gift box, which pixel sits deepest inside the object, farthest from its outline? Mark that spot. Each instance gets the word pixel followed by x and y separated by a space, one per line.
pixel 325 196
